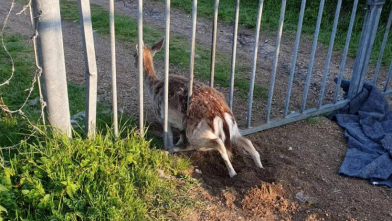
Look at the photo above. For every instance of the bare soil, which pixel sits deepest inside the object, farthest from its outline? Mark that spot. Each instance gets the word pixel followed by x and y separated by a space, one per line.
pixel 300 179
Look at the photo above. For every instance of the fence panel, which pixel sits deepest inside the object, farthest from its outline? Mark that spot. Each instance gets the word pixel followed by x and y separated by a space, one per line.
pixel 359 75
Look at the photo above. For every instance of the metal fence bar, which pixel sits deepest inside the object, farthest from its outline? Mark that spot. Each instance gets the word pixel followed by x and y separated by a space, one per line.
pixel 313 53
pixel 192 50
pixel 91 66
pixel 294 60
pixel 213 44
pixel 368 35
pixel 296 117
pixel 253 73
pixel 388 92
pixel 373 30
pixel 140 62
pixel 275 62
pixel 114 77
pixel 388 78
pixel 344 57
pixel 384 42
pixel 329 55
pixel 51 58
pixel 234 53
pixel 166 83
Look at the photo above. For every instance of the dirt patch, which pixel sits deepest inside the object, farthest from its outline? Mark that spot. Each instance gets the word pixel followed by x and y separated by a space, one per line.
pixel 300 180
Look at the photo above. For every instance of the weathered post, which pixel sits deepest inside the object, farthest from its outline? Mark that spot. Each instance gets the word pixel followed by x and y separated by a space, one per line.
pixel 51 59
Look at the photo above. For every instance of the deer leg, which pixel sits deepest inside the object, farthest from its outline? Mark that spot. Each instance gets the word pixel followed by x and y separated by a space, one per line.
pixel 222 150
pixel 189 148
pixel 170 138
pixel 248 146
pixel 182 142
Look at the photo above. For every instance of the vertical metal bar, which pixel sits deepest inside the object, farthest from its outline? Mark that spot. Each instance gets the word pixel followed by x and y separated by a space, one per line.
pixel 368 35
pixel 253 73
pixel 234 53
pixel 384 42
pixel 294 60
pixel 51 59
pixel 91 66
pixel 140 62
pixel 275 62
pixel 388 78
pixel 343 62
pixel 329 55
pixel 313 53
pixel 192 50
pixel 213 44
pixel 114 78
pixel 166 83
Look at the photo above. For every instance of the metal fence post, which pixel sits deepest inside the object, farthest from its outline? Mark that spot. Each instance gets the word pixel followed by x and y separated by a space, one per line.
pixel 51 57
pixel 91 66
pixel 369 31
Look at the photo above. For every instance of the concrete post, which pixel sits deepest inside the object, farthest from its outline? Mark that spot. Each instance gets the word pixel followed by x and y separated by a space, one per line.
pixel 51 58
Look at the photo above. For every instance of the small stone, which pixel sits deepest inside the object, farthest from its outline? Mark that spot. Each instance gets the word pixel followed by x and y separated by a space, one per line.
pixel 34 101
pixel 161 174
pixel 198 171
pixel 290 148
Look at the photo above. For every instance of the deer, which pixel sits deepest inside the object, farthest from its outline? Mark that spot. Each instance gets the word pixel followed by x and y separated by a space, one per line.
pixel 208 123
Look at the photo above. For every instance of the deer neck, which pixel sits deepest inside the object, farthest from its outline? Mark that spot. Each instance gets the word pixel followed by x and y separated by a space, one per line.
pixel 150 77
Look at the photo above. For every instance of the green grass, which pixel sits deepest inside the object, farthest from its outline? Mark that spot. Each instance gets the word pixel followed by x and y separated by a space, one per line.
pixel 12 130
pixel 51 177
pixel 126 32
pixel 55 178
pixel 271 14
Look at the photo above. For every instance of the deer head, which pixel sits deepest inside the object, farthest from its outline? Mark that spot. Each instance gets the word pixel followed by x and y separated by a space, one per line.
pixel 148 55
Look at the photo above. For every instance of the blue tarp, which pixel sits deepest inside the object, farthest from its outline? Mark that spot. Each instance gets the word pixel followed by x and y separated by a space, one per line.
pixel 367 120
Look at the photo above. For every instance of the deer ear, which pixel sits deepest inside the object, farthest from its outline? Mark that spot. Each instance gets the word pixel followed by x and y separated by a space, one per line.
pixel 158 46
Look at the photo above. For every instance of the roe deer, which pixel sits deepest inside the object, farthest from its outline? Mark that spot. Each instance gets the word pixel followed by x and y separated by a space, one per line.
pixel 208 124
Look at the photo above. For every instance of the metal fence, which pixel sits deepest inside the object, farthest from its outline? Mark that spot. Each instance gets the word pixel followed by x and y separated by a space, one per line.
pixel 359 73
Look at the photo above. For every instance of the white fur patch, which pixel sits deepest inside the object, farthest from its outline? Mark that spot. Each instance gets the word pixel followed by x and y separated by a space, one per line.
pixel 234 131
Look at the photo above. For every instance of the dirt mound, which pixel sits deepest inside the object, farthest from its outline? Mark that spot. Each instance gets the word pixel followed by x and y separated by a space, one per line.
pixel 268 202
pixel 214 172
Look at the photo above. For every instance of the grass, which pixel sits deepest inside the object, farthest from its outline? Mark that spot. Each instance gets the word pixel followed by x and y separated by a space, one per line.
pixel 55 178
pixel 126 32
pixel 271 14
pixel 51 177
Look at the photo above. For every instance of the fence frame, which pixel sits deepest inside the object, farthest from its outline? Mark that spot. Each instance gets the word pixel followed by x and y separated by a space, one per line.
pixel 54 67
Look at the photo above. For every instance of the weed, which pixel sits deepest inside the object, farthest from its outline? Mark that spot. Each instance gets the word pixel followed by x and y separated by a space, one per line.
pixel 312 120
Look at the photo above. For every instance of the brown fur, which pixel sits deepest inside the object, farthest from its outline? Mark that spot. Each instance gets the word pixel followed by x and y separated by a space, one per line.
pixel 206 102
